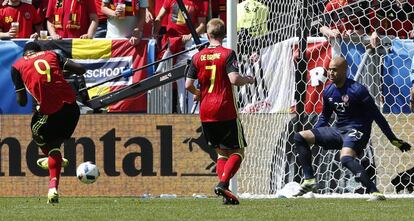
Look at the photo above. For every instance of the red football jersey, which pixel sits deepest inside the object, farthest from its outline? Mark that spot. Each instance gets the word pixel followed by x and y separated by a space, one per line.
pixel 87 7
pixel 211 67
pixel 25 14
pixel 101 16
pixel 42 75
pixel 176 23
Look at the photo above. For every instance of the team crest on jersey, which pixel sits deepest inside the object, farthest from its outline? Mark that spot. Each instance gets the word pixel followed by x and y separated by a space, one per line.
pixel 27 15
pixel 345 99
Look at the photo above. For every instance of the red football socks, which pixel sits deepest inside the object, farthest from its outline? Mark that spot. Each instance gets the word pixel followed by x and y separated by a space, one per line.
pixel 231 167
pixel 221 162
pixel 55 163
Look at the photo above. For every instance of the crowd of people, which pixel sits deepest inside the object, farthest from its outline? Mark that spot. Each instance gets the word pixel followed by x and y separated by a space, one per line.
pixel 87 19
pixel 134 19
pixel 380 17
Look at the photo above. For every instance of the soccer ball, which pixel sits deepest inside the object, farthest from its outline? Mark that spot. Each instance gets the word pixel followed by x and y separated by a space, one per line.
pixel 289 190
pixel 87 172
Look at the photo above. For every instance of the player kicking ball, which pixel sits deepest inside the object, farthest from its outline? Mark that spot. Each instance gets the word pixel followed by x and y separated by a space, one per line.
pixel 57 113
pixel 355 110
pixel 216 70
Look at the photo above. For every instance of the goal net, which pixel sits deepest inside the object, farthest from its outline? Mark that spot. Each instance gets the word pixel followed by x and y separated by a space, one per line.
pixel 287 46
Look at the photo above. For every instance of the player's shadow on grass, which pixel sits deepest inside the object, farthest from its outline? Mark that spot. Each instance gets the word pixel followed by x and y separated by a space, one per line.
pixel 201 142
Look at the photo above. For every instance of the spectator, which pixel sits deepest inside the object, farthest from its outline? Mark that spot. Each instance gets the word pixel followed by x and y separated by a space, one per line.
pixel 71 19
pixel 347 25
pixel 102 21
pixel 393 17
pixel 177 27
pixel 177 35
pixel 41 7
pixel 125 21
pixel 18 20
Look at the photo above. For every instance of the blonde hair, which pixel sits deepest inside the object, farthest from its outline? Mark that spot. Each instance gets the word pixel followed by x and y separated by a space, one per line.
pixel 216 28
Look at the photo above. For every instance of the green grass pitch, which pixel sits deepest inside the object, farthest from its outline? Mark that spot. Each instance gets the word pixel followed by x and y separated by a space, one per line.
pixel 129 208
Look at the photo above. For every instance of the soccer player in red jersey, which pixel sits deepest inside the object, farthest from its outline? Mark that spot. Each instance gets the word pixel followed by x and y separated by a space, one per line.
pixel 17 20
pixel 57 113
pixel 216 70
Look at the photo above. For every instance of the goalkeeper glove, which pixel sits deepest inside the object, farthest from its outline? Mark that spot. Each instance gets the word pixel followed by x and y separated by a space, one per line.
pixel 402 145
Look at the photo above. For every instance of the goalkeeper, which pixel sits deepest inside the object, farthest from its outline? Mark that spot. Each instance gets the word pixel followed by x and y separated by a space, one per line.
pixel 355 110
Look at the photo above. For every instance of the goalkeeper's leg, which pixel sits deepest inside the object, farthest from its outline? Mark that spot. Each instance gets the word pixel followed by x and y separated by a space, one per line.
pixel 305 160
pixel 304 153
pixel 348 160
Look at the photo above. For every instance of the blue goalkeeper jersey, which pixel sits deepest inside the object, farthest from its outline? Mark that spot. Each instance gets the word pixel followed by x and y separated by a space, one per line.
pixel 354 107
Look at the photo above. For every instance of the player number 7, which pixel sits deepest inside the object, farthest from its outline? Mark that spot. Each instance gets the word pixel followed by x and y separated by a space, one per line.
pixel 41 71
pixel 212 77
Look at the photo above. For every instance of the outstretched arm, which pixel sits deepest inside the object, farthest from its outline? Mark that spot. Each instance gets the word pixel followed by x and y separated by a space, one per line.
pixel 238 80
pixel 69 66
pixel 370 107
pixel 21 95
pixel 232 69
pixel 73 68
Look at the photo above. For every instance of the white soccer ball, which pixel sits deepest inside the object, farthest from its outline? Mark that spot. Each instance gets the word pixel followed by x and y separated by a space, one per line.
pixel 87 172
pixel 288 190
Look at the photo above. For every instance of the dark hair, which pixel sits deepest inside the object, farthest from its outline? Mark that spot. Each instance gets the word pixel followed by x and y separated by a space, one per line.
pixel 216 28
pixel 32 46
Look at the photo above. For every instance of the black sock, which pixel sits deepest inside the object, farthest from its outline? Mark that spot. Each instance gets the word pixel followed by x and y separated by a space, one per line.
pixel 304 156
pixel 359 172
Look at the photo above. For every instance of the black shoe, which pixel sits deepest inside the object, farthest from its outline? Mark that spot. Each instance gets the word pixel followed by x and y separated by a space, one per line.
pixel 228 197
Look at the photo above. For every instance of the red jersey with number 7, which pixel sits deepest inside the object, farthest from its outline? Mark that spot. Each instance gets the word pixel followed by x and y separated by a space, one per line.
pixel 211 67
pixel 42 75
